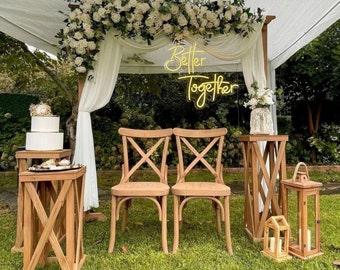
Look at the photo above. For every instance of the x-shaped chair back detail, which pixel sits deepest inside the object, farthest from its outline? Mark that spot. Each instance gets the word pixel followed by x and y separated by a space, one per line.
pixel 142 147
pixel 130 136
pixel 209 141
pixel 217 136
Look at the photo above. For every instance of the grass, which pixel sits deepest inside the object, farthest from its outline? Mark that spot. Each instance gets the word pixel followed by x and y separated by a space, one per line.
pixel 200 246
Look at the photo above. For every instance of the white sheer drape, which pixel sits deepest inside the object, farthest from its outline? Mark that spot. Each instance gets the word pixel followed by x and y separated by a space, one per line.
pixel 96 94
pixel 100 83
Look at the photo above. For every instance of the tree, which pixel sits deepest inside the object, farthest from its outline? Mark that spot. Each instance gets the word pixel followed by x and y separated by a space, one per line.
pixel 312 76
pixel 24 71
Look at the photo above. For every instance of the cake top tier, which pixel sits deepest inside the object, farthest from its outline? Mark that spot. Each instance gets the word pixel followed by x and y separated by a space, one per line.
pixel 41 109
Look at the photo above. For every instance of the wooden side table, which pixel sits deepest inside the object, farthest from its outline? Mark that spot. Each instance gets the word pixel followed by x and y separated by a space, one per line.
pixel 266 166
pixel 24 157
pixel 65 193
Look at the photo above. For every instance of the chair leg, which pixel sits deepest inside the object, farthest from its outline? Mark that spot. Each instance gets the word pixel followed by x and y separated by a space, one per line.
pixel 227 225
pixel 176 223
pixel 127 205
pixel 113 224
pixel 164 225
pixel 217 216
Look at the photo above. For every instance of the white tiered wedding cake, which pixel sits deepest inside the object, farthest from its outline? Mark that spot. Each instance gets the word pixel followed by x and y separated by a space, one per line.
pixel 44 133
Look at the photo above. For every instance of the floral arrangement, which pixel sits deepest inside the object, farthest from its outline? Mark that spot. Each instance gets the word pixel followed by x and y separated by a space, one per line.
pixel 87 24
pixel 259 98
pixel 41 109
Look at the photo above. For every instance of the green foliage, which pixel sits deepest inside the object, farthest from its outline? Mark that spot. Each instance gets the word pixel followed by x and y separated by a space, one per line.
pixel 12 137
pixel 326 144
pixel 313 72
pixel 16 104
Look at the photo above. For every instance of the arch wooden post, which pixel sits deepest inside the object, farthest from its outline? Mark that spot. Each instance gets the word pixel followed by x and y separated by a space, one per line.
pixel 81 83
pixel 269 18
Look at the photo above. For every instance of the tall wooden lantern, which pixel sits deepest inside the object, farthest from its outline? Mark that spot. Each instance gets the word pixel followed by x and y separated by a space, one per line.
pixel 305 241
pixel 276 238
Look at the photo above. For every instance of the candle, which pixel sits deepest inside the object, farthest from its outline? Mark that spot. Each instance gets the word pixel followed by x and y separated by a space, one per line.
pixel 273 243
pixel 309 240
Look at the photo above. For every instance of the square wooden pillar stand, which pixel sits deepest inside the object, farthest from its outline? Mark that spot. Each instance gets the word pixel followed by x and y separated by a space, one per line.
pixel 57 202
pixel 264 165
pixel 24 160
pixel 305 242
pixel 276 238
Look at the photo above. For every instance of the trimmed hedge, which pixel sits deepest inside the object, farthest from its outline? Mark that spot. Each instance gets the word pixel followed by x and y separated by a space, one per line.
pixel 16 104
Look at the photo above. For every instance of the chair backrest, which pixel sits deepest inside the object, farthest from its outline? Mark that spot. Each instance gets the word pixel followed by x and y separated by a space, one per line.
pixel 145 147
pixel 193 147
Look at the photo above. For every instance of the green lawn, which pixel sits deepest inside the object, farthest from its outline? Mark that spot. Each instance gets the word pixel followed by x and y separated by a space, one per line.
pixel 200 246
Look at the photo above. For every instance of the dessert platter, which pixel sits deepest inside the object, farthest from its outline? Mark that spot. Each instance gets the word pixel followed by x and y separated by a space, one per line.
pixel 51 165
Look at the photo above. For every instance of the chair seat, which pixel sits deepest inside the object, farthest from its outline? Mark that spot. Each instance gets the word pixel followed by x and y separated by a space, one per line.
pixel 200 189
pixel 140 189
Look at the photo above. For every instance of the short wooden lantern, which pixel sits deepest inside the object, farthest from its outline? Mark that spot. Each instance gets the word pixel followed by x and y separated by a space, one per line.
pixel 276 238
pixel 305 241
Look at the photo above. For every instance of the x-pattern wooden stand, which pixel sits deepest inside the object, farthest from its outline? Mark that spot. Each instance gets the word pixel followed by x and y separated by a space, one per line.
pixel 24 158
pixel 59 199
pixel 266 166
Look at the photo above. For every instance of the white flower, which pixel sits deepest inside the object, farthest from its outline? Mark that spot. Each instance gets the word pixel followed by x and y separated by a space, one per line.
pixel 149 21
pixel 89 33
pixel 186 33
pixel 117 4
pixel 82 43
pixel 259 97
pixel 132 3
pixel 165 17
pixel 81 69
pixel 78 35
pixel 66 30
pixel 78 61
pixel 143 7
pixel 85 18
pixel 87 7
pixel 83 30
pixel 115 17
pixel 216 23
pixel 174 9
pixel 168 28
pixel 129 26
pixel 152 30
pixel 72 26
pixel 96 17
pixel 244 17
pixel 227 28
pixel 73 15
pixel 102 12
pixel 233 10
pixel 72 43
pixel 182 21
pixel 41 109
pixel 80 50
pixel 91 45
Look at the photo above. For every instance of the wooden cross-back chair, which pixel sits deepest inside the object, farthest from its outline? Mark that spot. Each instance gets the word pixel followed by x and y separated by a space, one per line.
pixel 157 191
pixel 214 189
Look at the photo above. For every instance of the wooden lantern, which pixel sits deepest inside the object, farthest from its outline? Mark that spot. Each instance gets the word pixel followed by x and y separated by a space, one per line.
pixel 305 242
pixel 276 238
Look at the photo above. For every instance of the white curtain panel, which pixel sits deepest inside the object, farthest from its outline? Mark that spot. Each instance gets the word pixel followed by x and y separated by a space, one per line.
pixel 96 94
pixel 100 84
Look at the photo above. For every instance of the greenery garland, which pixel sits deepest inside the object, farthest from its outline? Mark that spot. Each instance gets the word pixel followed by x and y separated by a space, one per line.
pixel 141 20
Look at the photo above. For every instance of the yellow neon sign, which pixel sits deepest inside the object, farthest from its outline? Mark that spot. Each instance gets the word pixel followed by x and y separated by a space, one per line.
pixel 208 89
pixel 198 90
pixel 181 58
